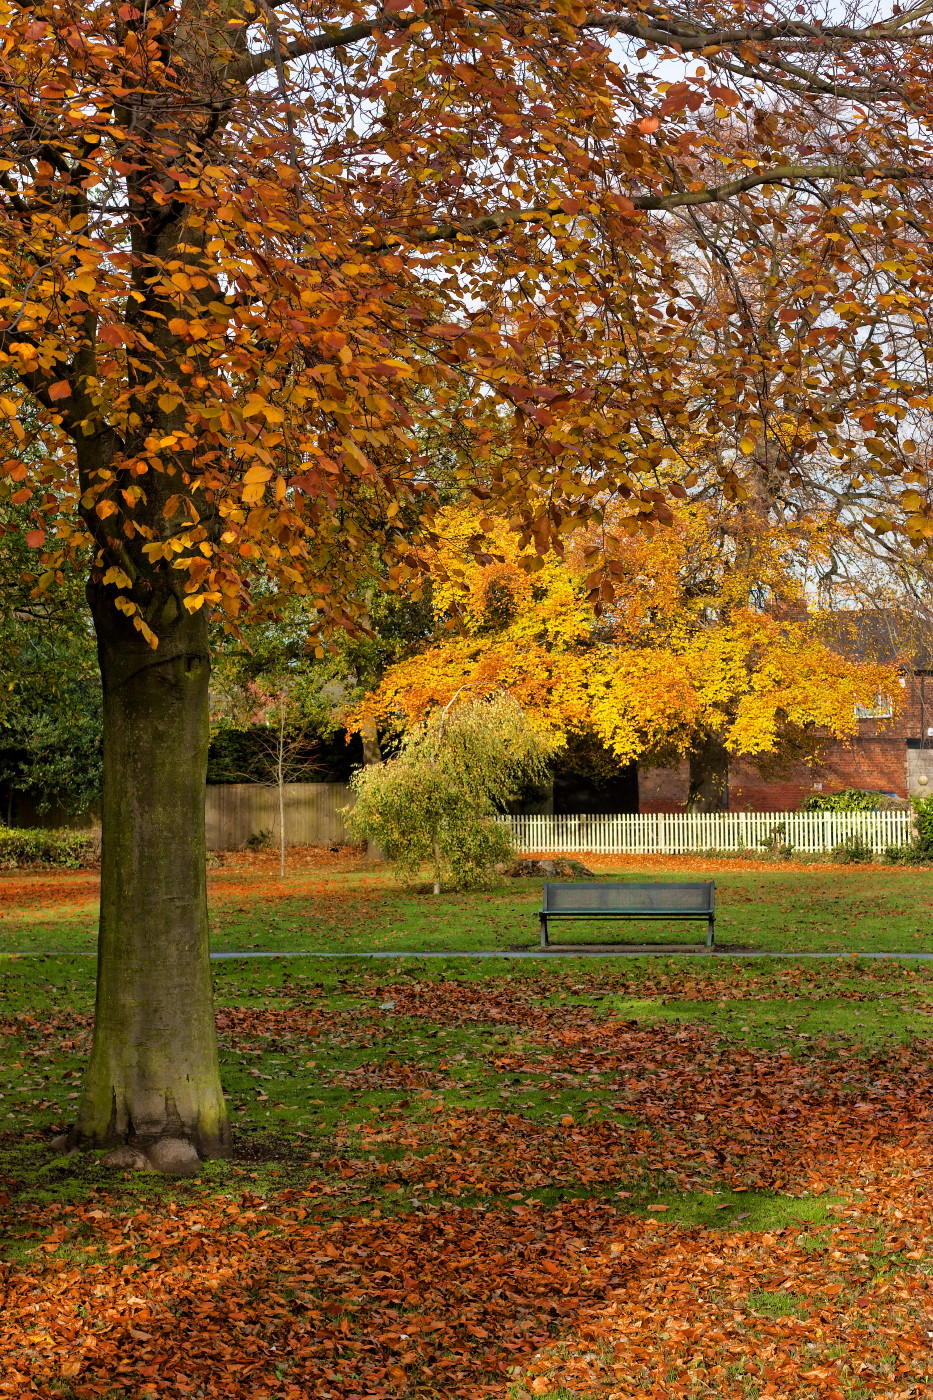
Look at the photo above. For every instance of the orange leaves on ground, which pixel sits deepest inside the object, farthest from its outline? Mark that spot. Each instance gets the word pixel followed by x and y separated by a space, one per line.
pixel 236 879
pixel 62 888
pixel 322 1289
pixel 689 1320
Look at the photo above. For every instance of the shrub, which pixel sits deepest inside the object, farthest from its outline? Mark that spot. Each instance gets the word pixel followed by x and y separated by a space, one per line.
pixel 854 850
pixel 33 846
pixel 259 840
pixel 923 821
pixel 847 800
pixel 906 855
pixel 776 845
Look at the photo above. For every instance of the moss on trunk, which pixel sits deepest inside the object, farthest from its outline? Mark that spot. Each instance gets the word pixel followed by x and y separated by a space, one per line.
pixel 154 1070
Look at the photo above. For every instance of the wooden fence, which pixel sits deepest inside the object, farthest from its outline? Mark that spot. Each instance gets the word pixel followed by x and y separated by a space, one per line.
pixel 679 833
pixel 313 817
pixel 237 811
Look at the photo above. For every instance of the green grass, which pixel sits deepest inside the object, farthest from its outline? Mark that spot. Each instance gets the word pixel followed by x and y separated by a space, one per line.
pixel 332 1053
pixel 746 1210
pixel 846 911
pixel 303 1084
pixel 778 1304
pixel 856 909
pixel 783 1022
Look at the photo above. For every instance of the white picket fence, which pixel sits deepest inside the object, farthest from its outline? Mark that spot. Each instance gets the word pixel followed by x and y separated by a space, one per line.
pixel 679 833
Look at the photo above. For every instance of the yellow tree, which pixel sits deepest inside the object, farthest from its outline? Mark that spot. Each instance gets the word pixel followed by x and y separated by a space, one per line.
pixel 248 250
pixel 706 648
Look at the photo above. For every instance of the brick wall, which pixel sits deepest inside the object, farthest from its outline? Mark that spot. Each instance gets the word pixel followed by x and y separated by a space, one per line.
pixel 876 759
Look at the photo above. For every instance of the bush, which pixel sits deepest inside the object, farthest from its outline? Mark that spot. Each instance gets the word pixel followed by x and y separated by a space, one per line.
pixel 923 821
pixel 847 800
pixel 32 846
pixel 776 845
pixel 854 850
pixel 906 855
pixel 259 840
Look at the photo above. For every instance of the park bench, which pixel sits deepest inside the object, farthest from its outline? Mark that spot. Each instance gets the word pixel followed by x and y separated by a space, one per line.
pixel 630 899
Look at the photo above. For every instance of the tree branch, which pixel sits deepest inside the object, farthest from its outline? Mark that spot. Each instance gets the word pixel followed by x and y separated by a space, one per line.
pixel 255 63
pixel 677 199
pixel 656 29
pixel 660 29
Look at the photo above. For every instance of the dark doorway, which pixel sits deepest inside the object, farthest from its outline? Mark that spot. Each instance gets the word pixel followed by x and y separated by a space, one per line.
pixel 588 779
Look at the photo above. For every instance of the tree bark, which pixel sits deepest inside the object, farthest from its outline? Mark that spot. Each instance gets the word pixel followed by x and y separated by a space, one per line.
pixel 708 789
pixel 153 1071
pixel 280 785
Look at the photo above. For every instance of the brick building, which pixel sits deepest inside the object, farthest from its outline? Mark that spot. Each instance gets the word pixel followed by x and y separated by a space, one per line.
pixel 892 752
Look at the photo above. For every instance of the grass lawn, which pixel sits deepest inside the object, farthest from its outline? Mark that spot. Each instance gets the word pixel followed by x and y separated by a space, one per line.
pixel 343 907
pixel 576 1179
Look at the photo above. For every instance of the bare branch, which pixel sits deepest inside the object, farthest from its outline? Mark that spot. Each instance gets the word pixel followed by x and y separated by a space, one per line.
pixel 661 29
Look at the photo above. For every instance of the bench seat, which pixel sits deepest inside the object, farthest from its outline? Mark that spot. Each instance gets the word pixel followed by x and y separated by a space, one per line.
pixel 630 899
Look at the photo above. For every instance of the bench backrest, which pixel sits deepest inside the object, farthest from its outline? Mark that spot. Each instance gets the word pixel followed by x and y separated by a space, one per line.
pixel 630 896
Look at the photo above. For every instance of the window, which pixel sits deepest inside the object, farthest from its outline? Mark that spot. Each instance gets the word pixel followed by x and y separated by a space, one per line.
pixel 880 708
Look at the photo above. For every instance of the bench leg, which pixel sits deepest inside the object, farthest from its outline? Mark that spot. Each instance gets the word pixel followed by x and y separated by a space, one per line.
pixel 711 933
pixel 543 920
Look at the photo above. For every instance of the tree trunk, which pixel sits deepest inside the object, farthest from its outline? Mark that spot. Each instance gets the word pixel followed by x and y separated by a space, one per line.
pixel 708 790
pixel 436 852
pixel 154 1071
pixel 280 784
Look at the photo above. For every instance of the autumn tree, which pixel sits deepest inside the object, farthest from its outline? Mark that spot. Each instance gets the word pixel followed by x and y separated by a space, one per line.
pixel 247 249
pixel 706 649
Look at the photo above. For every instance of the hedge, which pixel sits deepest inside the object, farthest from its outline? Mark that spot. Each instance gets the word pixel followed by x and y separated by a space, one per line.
pixel 848 800
pixel 34 846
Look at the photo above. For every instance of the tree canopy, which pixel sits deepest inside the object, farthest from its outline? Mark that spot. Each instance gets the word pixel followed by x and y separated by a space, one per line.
pixel 249 253
pixel 707 639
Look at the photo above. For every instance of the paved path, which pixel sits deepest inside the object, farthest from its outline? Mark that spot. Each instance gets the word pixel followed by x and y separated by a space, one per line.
pixel 718 953
pixel 582 953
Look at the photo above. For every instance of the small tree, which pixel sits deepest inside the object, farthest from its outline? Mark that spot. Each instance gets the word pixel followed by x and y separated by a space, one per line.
pixel 436 801
pixel 283 754
pixel 275 706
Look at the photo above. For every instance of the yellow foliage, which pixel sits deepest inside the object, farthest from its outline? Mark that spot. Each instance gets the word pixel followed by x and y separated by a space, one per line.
pixel 681 649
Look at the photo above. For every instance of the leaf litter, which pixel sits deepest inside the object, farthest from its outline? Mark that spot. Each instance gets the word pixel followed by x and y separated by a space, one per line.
pixel 518 1190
